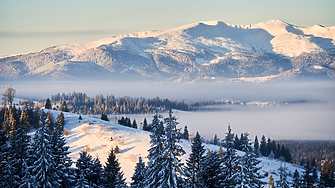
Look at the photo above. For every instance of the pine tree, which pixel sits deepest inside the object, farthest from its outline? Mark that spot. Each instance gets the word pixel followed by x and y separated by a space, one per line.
pixel 155 152
pixel 314 176
pixel 24 120
pixel 138 178
pixel 296 179
pixel 171 174
pixel 229 162
pixel 112 172
pixel 327 175
pixel 146 127
pixel 43 170
pixel 48 104
pixel 185 133
pixel 209 174
pixel 3 154
pixel 194 161
pixel 307 177
pixel 262 146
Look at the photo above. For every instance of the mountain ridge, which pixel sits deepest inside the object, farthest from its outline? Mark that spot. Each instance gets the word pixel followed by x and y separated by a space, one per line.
pixel 188 53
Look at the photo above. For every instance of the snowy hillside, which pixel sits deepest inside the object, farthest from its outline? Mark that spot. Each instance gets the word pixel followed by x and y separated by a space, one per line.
pixel 94 136
pixel 212 50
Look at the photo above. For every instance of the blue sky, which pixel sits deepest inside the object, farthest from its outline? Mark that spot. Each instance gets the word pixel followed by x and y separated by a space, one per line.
pixel 31 25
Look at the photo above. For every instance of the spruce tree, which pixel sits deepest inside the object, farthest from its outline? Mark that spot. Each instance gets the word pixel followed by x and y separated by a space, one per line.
pixel 60 121
pixel 256 146
pixel 18 147
pixel 62 161
pixel 194 161
pixel 296 179
pixel 83 167
pixel 112 172
pixel 134 125
pixel 229 162
pixel 171 174
pixel 215 139
pixel 95 177
pixel 138 178
pixel 247 175
pixel 307 177
pixel 185 133
pixel 43 169
pixel 283 183
pixel 47 104
pixel 262 146
pixel 155 152
pixel 64 107
pixel 209 173
pixel 50 124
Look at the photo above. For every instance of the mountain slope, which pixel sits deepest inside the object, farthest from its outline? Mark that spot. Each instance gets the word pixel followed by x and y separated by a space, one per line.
pixel 192 52
pixel 94 136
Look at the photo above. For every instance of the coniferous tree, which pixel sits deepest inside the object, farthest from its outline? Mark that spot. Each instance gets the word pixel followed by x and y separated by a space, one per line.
pixel 327 175
pixel 307 177
pixel 296 179
pixel 48 104
pixel 256 146
pixel 134 124
pixel 215 140
pixel 247 175
pixel 64 107
pixel 229 162
pixel 3 154
pixel 95 177
pixel 236 142
pixel 104 117
pixel 209 174
pixel 220 152
pixel 155 153
pixel 24 120
pixel 283 183
pixel 84 164
pixel 262 146
pixel 314 176
pixel 194 163
pixel 112 172
pixel 43 169
pixel 146 127
pixel 60 121
pixel 138 178
pixel 49 123
pixel 171 174
pixel 62 161
pixel 185 134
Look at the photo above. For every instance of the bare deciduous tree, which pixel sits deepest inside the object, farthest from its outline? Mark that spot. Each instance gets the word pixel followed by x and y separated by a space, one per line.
pixel 9 95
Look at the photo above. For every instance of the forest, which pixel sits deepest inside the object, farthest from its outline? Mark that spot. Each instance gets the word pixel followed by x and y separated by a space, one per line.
pixel 314 151
pixel 78 102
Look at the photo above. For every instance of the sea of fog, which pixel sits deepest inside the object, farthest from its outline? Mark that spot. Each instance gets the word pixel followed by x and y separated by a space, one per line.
pixel 312 120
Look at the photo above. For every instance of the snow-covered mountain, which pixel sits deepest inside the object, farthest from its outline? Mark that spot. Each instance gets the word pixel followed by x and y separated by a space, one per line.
pixel 212 50
pixel 94 136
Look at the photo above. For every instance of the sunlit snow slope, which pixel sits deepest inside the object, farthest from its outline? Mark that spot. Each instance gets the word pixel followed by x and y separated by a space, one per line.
pixel 94 136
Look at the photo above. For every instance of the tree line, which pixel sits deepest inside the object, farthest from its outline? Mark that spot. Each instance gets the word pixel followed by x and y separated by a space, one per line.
pixel 78 102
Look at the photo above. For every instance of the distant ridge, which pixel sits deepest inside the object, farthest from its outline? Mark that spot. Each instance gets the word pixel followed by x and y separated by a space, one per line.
pixel 201 51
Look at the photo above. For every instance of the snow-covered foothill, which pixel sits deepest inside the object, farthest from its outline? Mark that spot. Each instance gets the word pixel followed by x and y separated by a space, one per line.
pixel 98 137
